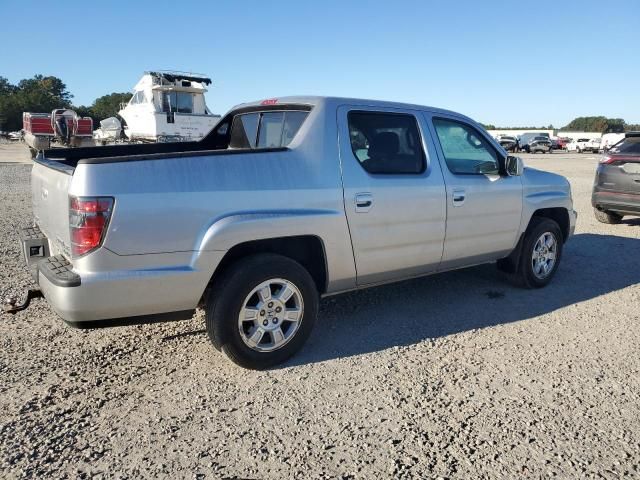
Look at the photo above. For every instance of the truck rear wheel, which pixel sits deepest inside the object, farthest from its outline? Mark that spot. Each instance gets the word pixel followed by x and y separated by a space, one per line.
pixel 261 310
pixel 541 253
pixel 604 216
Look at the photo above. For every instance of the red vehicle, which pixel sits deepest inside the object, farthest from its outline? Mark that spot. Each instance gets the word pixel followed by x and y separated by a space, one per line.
pixel 560 143
pixel 61 125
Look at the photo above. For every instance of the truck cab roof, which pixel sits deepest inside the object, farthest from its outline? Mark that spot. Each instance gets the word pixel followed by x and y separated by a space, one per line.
pixel 327 101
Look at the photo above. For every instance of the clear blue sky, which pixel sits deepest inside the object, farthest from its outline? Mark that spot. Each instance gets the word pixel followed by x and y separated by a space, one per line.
pixel 506 63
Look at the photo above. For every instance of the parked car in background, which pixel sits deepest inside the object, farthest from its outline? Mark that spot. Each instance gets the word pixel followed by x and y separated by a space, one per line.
pixel 561 143
pixel 539 144
pixel 580 145
pixel 616 190
pixel 509 143
pixel 284 201
pixel 609 140
pixel 594 145
pixel 526 137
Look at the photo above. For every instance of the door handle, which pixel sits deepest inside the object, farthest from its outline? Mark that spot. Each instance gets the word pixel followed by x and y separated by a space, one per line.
pixel 459 196
pixel 363 202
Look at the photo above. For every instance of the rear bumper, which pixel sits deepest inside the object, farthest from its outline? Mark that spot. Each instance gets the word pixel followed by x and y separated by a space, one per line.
pixel 628 203
pixel 89 299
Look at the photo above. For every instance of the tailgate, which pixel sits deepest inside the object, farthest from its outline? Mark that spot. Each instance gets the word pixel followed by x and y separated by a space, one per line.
pixel 50 181
pixel 621 175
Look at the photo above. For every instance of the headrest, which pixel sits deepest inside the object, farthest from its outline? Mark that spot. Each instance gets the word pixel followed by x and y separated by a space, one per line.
pixel 384 144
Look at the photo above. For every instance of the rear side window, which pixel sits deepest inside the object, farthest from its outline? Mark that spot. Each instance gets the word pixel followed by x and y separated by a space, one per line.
pixel 630 145
pixel 265 129
pixel 386 142
pixel 465 150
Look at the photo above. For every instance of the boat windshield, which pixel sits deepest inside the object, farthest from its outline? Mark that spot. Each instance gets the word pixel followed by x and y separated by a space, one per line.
pixel 181 102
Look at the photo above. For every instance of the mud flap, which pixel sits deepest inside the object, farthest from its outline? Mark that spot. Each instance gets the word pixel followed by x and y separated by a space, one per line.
pixel 510 264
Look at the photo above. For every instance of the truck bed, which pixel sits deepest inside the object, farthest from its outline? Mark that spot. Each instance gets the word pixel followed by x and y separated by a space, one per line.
pixel 71 156
pixel 217 139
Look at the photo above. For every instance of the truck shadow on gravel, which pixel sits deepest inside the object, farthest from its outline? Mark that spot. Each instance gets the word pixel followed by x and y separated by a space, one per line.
pixel 412 311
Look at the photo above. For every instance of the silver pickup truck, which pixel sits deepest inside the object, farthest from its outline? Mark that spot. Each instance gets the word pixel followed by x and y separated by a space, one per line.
pixel 285 201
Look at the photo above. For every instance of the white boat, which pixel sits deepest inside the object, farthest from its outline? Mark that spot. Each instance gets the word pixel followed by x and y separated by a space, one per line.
pixel 110 131
pixel 168 106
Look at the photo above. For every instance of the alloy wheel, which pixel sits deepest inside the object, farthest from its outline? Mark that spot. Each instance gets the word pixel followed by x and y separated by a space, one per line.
pixel 271 315
pixel 543 258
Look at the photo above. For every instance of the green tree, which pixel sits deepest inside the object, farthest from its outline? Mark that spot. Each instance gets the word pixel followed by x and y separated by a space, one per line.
pixel 6 87
pixel 596 124
pixel 37 94
pixel 108 105
pixel 51 87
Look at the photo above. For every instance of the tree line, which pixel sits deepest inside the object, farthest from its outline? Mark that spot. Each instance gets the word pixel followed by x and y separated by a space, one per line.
pixel 43 94
pixel 598 124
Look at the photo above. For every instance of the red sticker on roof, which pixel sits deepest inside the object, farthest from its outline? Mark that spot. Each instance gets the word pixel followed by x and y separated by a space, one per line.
pixel 269 101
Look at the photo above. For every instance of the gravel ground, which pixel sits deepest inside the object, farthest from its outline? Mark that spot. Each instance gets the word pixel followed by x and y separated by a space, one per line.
pixel 457 376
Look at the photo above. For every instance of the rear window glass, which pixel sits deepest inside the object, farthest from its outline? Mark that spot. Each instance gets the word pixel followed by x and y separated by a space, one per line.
pixel 243 130
pixel 629 145
pixel 265 129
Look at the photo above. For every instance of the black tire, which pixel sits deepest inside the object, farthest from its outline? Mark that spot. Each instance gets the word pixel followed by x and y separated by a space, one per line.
pixel 524 275
pixel 226 299
pixel 604 216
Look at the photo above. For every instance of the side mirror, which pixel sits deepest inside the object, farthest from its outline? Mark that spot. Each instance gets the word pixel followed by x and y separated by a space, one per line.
pixel 514 166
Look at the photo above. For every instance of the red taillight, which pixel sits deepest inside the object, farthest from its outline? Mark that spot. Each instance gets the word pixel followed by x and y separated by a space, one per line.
pixel 609 159
pixel 88 221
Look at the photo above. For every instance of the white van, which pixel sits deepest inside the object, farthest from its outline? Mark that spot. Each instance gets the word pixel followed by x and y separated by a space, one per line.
pixel 609 140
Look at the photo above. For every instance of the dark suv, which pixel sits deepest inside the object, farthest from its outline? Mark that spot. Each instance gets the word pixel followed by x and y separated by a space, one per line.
pixel 616 190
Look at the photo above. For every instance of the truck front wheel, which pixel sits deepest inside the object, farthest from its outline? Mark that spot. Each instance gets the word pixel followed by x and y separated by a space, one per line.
pixel 261 310
pixel 541 253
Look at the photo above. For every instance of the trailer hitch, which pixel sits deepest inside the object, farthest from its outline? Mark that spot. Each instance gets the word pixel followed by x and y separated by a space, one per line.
pixel 12 306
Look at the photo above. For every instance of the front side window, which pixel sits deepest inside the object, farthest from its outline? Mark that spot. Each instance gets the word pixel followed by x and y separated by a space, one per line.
pixel 265 129
pixel 386 143
pixel 138 97
pixel 465 150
